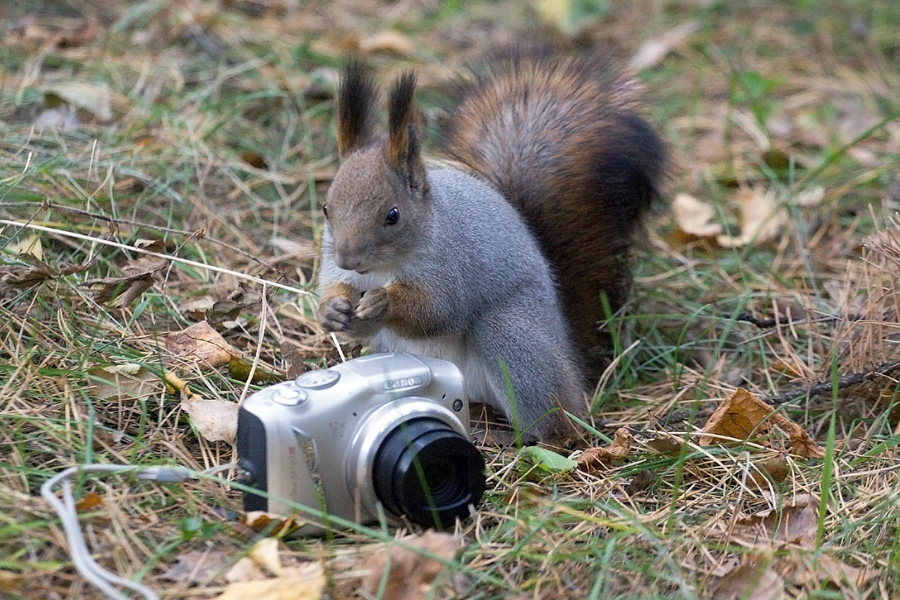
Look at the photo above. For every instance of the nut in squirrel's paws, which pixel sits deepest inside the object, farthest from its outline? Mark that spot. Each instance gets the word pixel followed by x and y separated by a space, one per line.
pixel 334 314
pixel 373 305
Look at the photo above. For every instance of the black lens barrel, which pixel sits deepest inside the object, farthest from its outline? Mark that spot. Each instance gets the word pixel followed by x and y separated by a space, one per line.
pixel 428 472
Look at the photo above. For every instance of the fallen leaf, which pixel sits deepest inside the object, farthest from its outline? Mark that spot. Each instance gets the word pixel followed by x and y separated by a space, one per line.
pixel 695 217
pixel 297 583
pixel 762 219
pixel 245 569
pixel 668 445
pixel 794 523
pixel 24 277
pixel 834 570
pixel 775 469
pixel 275 524
pixel 641 481
pixel 200 343
pixel 386 42
pixel 754 579
pixel 594 460
pixel 801 442
pixel 92 97
pixel 12 583
pixel 654 50
pixel 810 197
pixel 265 554
pixel 123 382
pixel 90 501
pixel 409 574
pixel 27 245
pixel 780 366
pixel 215 420
pixel 196 566
pixel 546 460
pixel 740 416
pixel 136 278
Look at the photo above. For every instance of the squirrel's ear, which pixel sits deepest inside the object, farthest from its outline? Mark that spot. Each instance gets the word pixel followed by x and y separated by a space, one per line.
pixel 403 151
pixel 356 98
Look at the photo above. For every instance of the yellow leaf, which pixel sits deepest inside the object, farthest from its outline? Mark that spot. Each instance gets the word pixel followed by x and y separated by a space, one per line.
pixel 695 217
pixel 762 219
pixel 265 554
pixel 30 244
pixel 297 583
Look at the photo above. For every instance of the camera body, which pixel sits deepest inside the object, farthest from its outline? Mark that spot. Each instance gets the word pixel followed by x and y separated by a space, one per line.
pixel 382 434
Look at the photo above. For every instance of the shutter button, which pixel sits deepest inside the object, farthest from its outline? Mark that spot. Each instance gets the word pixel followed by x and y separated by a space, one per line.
pixel 289 396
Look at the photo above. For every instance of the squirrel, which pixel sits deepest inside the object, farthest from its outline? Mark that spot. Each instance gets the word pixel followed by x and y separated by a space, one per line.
pixel 546 159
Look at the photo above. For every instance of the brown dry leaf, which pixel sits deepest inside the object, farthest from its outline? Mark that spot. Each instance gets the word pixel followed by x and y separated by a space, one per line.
pixel 200 343
pixel 123 382
pixel 260 520
pixel 654 50
pixel 411 574
pixel 296 583
pixel 641 481
pixel 195 566
pixel 137 277
pixel 12 583
pixel 740 416
pixel 595 460
pixel 801 442
pixel 245 570
pixel 695 217
pixel 775 468
pixel 215 420
pixel 667 444
pixel 834 570
pixel 386 42
pixel 762 219
pixel 90 501
pixel 22 277
pixel 754 579
pixel 780 366
pixel 795 523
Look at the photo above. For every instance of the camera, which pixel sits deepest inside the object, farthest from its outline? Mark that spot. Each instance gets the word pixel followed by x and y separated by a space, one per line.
pixel 385 434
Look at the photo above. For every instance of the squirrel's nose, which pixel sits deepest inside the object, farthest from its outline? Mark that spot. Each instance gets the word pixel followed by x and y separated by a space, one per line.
pixel 349 260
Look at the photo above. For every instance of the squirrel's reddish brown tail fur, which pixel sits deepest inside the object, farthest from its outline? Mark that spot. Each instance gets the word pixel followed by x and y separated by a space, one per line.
pixel 560 139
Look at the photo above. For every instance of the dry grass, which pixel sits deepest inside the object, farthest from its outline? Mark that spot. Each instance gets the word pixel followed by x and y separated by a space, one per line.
pixel 220 144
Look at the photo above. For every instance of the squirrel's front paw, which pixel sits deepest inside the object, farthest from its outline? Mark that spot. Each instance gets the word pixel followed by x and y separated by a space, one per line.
pixel 334 313
pixel 373 305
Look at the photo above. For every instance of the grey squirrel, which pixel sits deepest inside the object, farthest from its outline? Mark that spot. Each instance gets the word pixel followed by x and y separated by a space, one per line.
pixel 547 160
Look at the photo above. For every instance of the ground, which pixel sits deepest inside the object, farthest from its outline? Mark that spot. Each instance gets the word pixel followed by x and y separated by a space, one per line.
pixel 163 165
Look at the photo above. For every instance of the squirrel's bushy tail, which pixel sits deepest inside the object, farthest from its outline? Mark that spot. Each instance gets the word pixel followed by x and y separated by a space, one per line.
pixel 560 138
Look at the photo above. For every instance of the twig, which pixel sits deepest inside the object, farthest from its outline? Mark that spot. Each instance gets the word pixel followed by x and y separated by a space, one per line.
pixel 843 382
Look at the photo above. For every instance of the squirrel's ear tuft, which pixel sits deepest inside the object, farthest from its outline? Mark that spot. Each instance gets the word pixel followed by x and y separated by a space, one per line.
pixel 403 151
pixel 356 99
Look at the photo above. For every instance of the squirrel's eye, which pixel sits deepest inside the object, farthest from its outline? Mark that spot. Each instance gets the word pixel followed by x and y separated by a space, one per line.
pixel 393 216
pixel 325 210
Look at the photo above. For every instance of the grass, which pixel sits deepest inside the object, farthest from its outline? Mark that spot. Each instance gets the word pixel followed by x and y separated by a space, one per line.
pixel 220 147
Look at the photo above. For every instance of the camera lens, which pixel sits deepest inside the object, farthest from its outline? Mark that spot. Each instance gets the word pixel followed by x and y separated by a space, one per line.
pixel 428 472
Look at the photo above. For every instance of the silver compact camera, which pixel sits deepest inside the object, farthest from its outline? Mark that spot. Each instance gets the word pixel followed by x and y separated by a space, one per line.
pixel 385 429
